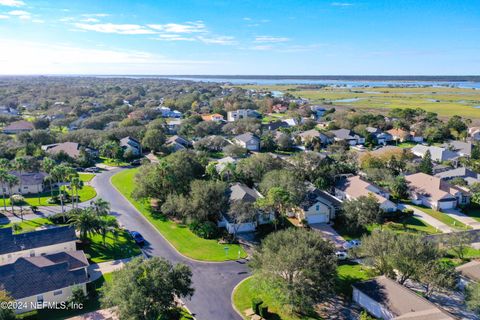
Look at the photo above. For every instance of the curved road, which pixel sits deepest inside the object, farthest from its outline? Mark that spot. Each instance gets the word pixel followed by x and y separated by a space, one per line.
pixel 213 282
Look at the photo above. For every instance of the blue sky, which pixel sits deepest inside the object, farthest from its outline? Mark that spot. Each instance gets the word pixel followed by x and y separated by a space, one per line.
pixel 375 37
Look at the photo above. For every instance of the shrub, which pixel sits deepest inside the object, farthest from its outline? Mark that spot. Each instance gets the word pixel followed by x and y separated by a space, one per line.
pixel 256 303
pixel 205 229
pixel 264 312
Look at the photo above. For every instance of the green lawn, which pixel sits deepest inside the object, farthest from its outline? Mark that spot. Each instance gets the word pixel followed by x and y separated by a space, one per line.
pixel 442 217
pixel 113 162
pixel 28 225
pixel 406 145
pixel 249 288
pixel 180 236
pixel 86 177
pixel 115 248
pixel 349 273
pixel 41 199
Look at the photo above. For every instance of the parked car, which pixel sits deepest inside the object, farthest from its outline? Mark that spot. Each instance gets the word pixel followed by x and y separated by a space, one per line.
pixel 137 237
pixel 341 255
pixel 136 162
pixel 92 170
pixel 352 244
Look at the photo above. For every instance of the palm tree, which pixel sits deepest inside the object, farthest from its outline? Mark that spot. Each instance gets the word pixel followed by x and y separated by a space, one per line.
pixel 228 172
pixel 11 182
pixel 60 174
pixel 86 222
pixel 3 180
pixel 75 184
pixel 106 224
pixel 47 165
pixel 21 164
pixel 101 207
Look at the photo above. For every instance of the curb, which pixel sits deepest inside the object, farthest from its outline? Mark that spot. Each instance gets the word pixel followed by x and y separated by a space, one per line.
pixel 231 297
pixel 158 231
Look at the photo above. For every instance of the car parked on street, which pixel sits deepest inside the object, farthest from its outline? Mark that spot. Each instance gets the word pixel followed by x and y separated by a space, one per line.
pixel 137 237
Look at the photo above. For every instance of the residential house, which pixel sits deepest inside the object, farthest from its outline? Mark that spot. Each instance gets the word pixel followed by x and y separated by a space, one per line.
pixel 387 299
pixel 435 193
pixel 379 136
pixel 248 141
pixel 177 143
pixel 466 174
pixel 462 148
pixel 275 125
pixel 279 108
pixel 132 144
pixel 317 111
pixel 213 117
pixel 4 110
pixel 169 113
pixel 348 136
pixel 469 272
pixel 352 187
pixel 242 114
pixel 28 183
pixel 399 135
pixel 292 122
pixel 240 192
pixel 416 136
pixel 438 168
pixel 309 135
pixel 438 154
pixel 474 133
pixel 35 243
pixel 223 162
pixel 48 279
pixel 18 127
pixel 173 126
pixel 317 207
pixel 72 149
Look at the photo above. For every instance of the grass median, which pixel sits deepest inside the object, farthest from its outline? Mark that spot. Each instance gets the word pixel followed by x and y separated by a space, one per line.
pixel 180 236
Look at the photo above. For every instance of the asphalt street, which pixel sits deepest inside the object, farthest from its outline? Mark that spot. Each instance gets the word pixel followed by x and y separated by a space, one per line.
pixel 213 282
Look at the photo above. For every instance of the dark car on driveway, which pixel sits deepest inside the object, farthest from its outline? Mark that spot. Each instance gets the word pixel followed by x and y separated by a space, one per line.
pixel 137 237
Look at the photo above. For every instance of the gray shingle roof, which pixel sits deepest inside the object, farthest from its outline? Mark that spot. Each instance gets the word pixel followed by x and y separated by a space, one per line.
pixel 30 178
pixel 36 275
pixel 240 191
pixel 24 241
pixel 246 137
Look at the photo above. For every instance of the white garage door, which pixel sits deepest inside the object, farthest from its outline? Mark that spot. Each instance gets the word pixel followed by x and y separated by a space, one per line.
pixel 447 204
pixel 317 218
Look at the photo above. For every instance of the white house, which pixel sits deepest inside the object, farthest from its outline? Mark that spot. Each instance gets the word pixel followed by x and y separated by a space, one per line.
pixel 438 154
pixel 35 243
pixel 347 135
pixel 435 193
pixel 39 281
pixel 241 114
pixel 29 182
pixel 386 299
pixel 248 141
pixel 353 187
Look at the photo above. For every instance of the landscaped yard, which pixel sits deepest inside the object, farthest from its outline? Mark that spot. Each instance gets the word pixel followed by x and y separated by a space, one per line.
pixel 180 236
pixel 28 225
pixel 113 163
pixel 249 288
pixel 349 273
pixel 442 217
pixel 86 177
pixel 41 199
pixel 120 247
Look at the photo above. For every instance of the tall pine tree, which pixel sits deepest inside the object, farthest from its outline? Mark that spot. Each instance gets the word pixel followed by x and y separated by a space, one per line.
pixel 426 165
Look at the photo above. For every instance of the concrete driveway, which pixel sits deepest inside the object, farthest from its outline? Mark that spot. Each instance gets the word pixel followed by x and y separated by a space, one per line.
pixel 329 233
pixel 213 282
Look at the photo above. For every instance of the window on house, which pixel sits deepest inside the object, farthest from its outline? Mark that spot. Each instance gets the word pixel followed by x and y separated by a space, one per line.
pixel 40 298
pixel 32 253
pixel 57 293
pixel 317 207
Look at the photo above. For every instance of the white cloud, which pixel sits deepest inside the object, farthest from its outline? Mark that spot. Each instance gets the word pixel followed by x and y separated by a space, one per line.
pixel 188 27
pixel 100 15
pixel 341 4
pixel 247 19
pixel 12 3
pixel 90 20
pixel 24 15
pixel 2 16
pixel 38 21
pixel 262 48
pixel 222 40
pixel 270 39
pixel 22 57
pixel 173 37
pixel 114 28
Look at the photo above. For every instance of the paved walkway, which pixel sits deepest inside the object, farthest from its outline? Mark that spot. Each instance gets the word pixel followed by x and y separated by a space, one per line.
pixel 329 233
pixel 95 271
pixel 463 218
pixel 425 217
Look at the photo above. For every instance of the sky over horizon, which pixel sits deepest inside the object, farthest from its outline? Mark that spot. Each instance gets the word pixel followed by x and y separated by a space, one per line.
pixel 368 37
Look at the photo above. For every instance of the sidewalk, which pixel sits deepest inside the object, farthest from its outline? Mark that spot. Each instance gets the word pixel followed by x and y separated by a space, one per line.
pixel 463 218
pixel 425 217
pixel 96 270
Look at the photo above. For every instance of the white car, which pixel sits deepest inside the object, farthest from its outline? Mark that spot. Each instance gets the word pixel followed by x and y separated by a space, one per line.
pixel 341 255
pixel 352 244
